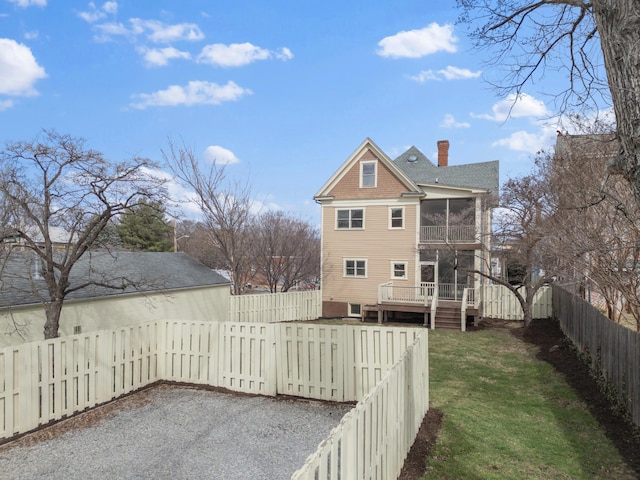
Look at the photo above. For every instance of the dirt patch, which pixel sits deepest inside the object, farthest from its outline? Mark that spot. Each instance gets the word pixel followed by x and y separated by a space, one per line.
pixel 416 462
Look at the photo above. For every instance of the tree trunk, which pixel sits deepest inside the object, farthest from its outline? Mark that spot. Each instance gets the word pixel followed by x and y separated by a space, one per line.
pixel 52 322
pixel 618 23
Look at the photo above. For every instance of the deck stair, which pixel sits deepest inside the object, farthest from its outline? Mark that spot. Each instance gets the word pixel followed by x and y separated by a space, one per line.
pixel 448 315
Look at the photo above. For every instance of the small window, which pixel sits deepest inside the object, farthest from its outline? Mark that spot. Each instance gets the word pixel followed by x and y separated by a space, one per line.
pixel 367 174
pixel 77 329
pixel 355 310
pixel 396 217
pixel 399 270
pixel 350 219
pixel 355 268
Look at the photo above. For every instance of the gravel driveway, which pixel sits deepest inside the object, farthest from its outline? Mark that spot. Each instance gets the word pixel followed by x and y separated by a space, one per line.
pixel 170 432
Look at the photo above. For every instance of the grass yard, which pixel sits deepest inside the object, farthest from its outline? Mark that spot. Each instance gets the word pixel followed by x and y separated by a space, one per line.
pixel 508 414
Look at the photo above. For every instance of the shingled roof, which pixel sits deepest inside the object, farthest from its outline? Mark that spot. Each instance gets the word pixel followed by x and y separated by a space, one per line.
pixel 127 272
pixel 482 176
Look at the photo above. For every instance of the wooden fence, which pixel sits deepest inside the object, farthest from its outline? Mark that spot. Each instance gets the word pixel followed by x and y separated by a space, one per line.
pixel 613 349
pixel 276 307
pixel 384 368
pixel 373 439
pixel 499 302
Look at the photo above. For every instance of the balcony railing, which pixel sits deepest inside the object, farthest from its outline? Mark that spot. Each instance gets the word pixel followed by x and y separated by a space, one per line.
pixel 423 294
pixel 447 234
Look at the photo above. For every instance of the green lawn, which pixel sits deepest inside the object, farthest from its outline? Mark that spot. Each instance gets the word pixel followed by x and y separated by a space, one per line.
pixel 510 415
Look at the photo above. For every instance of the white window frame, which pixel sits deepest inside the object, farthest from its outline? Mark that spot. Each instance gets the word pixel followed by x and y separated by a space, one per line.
pixel 350 210
pixel 350 310
pixel 355 267
pixel 391 227
pixel 375 173
pixel 393 269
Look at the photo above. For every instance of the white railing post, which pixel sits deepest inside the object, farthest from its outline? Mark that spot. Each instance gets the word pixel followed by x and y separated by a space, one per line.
pixel 463 310
pixel 434 306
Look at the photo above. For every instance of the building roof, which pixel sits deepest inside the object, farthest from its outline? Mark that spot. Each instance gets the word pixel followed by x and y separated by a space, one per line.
pixel 130 272
pixel 596 145
pixel 481 176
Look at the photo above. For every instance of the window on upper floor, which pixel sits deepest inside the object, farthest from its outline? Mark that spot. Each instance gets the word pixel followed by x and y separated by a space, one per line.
pixel 368 174
pixel 399 270
pixel 355 267
pixel 350 219
pixel 396 217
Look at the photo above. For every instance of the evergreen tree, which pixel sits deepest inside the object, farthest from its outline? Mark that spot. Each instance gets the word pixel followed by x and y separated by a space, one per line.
pixel 143 227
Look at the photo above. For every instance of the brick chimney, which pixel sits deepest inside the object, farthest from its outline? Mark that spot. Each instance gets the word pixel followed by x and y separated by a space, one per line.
pixel 443 153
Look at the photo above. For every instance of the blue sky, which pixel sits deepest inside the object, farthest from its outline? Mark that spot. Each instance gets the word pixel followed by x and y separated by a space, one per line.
pixel 282 90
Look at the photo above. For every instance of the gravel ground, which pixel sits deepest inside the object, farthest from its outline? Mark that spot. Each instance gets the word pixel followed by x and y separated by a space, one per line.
pixel 171 432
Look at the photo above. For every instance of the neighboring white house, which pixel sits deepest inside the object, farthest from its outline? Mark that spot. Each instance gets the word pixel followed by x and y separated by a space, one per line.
pixel 152 286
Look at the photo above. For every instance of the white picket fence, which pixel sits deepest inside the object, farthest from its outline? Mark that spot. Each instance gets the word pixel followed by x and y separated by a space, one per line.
pixel 384 369
pixel 499 302
pixel 276 307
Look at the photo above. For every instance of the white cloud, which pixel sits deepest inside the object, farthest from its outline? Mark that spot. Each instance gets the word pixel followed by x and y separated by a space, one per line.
pixel 424 76
pixel 220 155
pixel 455 73
pixel 154 30
pixel 29 3
pixel 450 122
pixel 5 104
pixel 158 57
pixel 449 73
pixel 110 7
pixel 159 32
pixel 94 14
pixel 516 106
pixel 195 93
pixel 530 142
pixel 32 35
pixel 18 69
pixel 239 54
pixel 419 43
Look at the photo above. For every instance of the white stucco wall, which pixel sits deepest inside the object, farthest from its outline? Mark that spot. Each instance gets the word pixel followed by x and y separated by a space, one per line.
pixel 26 324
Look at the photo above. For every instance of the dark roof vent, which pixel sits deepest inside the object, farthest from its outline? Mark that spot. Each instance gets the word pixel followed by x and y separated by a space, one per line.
pixel 412 158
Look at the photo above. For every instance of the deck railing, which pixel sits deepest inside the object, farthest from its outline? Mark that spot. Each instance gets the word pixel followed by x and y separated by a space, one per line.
pixel 423 293
pixel 447 234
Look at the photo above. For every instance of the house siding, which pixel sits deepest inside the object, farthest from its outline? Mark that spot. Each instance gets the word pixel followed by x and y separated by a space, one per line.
pixel 388 186
pixel 195 304
pixel 378 244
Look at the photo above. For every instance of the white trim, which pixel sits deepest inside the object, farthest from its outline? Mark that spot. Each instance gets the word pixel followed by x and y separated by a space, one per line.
pixel 355 267
pixel 393 270
pixel 350 227
pixel 391 209
pixel 375 173
pixel 379 202
pixel 350 311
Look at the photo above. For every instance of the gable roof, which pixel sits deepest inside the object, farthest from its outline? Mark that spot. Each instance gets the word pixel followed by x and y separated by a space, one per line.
pixel 477 176
pixel 366 145
pixel 131 272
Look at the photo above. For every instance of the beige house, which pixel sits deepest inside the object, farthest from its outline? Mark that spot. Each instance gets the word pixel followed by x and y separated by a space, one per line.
pixel 406 235
pixel 124 288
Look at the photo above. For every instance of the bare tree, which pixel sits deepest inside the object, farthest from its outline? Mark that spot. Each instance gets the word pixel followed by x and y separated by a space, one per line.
pixel 193 238
pixel 226 209
pixel 597 232
pixel 577 37
pixel 56 185
pixel 285 251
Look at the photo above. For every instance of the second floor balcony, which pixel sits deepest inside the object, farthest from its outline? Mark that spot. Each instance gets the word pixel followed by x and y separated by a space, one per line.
pixel 448 234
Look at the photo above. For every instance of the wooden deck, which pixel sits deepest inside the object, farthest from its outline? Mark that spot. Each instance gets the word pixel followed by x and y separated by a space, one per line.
pixel 448 313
